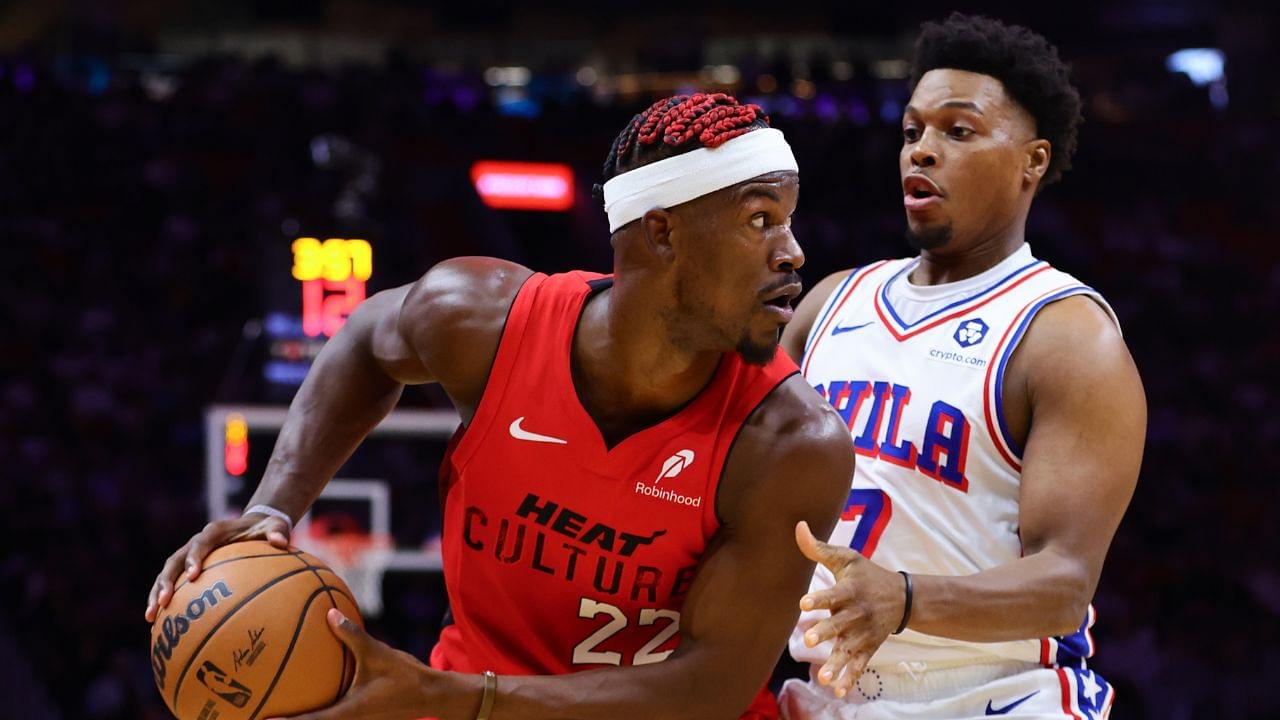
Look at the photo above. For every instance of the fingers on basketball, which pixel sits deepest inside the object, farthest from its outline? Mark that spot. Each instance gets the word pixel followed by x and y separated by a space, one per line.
pixel 251 637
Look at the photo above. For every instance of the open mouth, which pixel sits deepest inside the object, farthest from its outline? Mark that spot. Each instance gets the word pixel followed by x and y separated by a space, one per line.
pixel 919 188
pixel 780 300
pixel 920 193
pixel 782 297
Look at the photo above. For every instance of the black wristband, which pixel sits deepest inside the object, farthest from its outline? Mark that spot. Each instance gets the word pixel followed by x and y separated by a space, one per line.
pixel 906 607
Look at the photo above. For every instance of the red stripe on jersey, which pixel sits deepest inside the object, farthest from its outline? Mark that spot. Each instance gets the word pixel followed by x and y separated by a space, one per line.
pixel 989 411
pixel 952 316
pixel 1066 694
pixel 836 311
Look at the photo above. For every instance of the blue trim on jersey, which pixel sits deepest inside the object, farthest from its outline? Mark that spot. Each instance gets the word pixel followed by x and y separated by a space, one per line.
pixel 1008 350
pixel 831 305
pixel 1091 708
pixel 884 294
pixel 1073 649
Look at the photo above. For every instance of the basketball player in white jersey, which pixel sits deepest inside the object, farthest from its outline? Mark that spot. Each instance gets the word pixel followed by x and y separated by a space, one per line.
pixel 998 418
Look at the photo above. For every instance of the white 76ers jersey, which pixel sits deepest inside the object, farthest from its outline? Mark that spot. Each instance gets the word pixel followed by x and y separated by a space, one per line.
pixel 937 479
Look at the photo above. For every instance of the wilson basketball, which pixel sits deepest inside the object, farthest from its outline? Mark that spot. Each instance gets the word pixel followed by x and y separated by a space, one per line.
pixel 248 638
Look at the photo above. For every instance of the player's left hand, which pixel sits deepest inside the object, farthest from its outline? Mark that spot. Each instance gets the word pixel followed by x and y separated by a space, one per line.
pixel 389 684
pixel 866 605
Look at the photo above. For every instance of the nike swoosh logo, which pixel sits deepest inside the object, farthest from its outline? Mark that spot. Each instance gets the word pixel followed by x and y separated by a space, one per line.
pixel 520 433
pixel 837 329
pixel 1005 710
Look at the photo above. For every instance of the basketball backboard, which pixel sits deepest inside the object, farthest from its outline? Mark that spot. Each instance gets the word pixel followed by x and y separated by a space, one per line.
pixel 379 514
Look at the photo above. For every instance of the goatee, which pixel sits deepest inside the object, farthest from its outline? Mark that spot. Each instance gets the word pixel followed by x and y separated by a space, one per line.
pixel 930 238
pixel 754 353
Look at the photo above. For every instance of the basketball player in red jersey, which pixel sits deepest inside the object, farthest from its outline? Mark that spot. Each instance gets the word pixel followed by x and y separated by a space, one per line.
pixel 634 457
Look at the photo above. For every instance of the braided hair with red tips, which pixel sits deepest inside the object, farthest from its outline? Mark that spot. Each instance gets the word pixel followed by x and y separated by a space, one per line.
pixel 677 125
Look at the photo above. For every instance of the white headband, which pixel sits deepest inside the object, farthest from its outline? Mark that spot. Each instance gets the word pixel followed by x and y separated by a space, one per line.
pixel 690 175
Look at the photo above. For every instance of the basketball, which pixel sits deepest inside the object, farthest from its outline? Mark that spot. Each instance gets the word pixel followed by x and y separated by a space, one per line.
pixel 248 638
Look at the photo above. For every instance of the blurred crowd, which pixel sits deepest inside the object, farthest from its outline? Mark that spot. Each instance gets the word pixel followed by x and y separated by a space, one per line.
pixel 135 207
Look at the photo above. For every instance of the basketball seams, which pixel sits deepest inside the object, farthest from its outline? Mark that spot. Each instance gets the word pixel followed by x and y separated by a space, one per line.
pixel 315 570
pixel 183 580
pixel 342 680
pixel 327 585
pixel 297 631
pixel 222 621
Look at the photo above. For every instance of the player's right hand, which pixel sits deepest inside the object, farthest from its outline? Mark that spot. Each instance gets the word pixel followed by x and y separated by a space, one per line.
pixel 865 604
pixel 190 557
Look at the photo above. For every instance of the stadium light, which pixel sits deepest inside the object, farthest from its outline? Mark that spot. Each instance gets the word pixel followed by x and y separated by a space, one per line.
pixel 1202 65
pixel 523 186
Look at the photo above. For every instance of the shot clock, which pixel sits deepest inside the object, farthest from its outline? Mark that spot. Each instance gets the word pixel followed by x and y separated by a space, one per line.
pixel 311 286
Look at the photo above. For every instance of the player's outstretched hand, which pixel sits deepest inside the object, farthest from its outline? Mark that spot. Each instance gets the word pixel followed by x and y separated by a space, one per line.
pixel 866 605
pixel 389 684
pixel 190 557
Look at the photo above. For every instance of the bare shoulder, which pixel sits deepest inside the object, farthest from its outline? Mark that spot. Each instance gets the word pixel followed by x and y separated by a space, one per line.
pixel 454 316
pixel 797 331
pixel 795 417
pixel 1073 351
pixel 793 452
pixel 466 287
pixel 1073 337
pixel 826 286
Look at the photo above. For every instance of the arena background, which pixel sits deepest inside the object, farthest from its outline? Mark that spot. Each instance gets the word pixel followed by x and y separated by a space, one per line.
pixel 157 161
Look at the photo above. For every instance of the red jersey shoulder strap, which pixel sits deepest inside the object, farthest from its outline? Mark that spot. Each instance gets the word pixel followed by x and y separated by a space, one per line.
pixel 541 319
pixel 746 390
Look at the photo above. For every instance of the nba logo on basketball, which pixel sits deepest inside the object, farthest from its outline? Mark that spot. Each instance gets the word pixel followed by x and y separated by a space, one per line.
pixel 971 332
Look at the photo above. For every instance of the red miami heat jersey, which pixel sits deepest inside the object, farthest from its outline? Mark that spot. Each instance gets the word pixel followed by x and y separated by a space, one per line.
pixel 562 554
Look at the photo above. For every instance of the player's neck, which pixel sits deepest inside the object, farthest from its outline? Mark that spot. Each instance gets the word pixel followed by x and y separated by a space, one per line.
pixel 938 268
pixel 626 371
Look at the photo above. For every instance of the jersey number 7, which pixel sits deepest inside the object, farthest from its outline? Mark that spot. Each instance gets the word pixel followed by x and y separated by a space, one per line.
pixel 871 509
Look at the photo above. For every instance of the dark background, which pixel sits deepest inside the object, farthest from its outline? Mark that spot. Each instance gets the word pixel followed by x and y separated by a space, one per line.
pixel 150 152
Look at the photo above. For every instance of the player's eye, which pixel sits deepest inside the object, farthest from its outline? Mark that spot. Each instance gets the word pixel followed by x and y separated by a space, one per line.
pixel 757 220
pixel 959 131
pixel 910 133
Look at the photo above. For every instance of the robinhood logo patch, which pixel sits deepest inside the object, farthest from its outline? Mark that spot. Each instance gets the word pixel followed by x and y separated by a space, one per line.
pixel 675 464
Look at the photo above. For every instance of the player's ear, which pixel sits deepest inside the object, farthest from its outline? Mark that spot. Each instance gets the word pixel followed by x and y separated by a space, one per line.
pixel 656 227
pixel 1036 161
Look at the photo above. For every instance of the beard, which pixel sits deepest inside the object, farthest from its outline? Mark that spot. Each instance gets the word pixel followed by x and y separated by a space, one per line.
pixel 696 326
pixel 757 353
pixel 930 238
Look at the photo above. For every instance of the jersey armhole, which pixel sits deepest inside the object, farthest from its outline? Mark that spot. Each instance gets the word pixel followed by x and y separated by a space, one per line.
pixel 833 306
pixel 993 401
pixel 509 342
pixel 711 520
pixel 816 328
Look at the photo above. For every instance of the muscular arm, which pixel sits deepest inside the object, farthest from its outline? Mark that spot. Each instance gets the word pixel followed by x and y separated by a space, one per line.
pixel 1086 414
pixel 792 462
pixel 1073 393
pixel 797 331
pixel 444 328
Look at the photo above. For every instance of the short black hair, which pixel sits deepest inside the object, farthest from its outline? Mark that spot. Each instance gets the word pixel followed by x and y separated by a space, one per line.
pixel 1023 61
